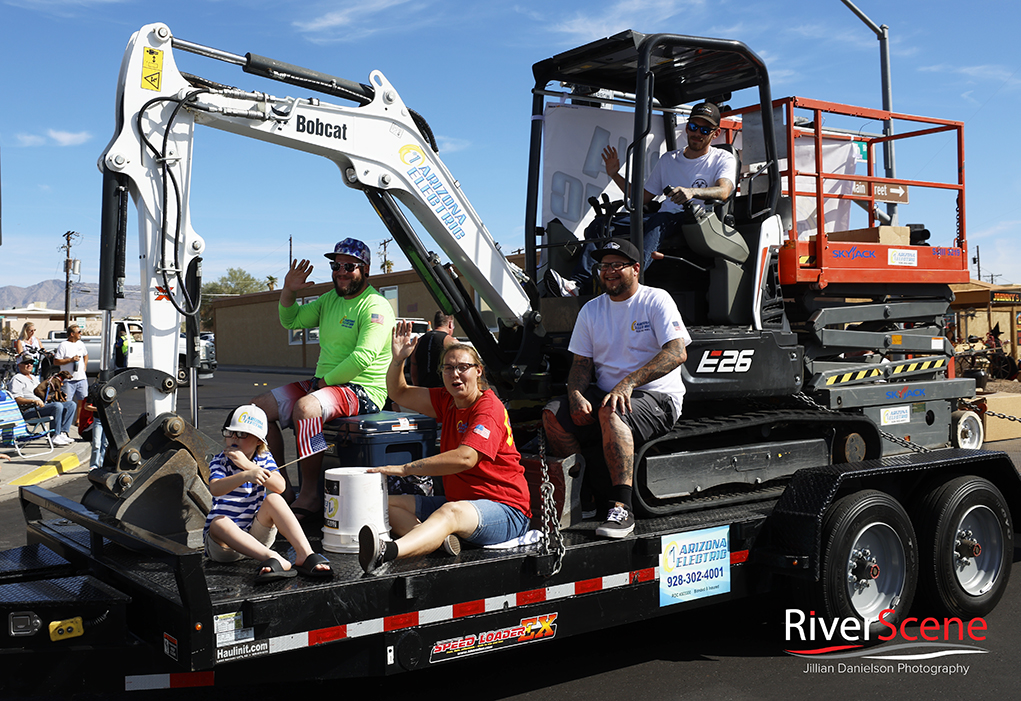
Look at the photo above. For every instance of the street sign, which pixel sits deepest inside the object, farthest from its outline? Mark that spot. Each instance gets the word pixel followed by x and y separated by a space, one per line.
pixel 883 191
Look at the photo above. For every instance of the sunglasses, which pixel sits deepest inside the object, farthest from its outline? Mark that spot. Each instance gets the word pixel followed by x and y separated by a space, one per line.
pixel 692 127
pixel 348 267
pixel 615 265
pixel 240 435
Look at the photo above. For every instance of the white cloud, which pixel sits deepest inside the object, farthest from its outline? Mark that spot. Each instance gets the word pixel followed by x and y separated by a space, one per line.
pixel 998 229
pixel 30 139
pixel 66 138
pixel 62 138
pixel 992 72
pixel 60 8
pixel 450 144
pixel 357 21
pixel 594 23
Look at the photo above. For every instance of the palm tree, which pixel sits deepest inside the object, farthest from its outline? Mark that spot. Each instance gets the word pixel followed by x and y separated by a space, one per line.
pixel 271 282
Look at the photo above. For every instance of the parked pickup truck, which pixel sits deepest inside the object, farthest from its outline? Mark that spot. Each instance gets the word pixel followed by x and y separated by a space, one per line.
pixel 207 351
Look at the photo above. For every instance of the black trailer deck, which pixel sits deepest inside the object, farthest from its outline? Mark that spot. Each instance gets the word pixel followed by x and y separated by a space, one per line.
pixel 104 587
pixel 204 615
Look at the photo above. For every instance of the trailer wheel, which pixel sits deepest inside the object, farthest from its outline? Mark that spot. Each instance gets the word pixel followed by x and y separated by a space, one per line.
pixel 869 559
pixel 968 546
pixel 966 430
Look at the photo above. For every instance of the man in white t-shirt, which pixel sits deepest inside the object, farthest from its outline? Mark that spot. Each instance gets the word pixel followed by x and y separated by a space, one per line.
pixel 631 341
pixel 699 171
pixel 72 356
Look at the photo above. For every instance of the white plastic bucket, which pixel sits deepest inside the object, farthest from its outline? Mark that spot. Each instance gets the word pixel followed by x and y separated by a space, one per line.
pixel 354 498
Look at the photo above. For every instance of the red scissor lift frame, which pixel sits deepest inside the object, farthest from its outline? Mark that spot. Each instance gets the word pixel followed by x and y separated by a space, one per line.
pixel 823 261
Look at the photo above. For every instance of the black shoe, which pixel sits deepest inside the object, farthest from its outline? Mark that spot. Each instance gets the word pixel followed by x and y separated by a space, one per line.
pixel 619 523
pixel 370 549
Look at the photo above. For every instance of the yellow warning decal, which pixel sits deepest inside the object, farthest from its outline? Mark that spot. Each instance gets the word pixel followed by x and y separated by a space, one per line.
pixel 152 68
pixel 854 376
pixel 907 367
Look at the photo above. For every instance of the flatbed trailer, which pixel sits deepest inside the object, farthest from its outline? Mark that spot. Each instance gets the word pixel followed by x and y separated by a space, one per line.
pixel 89 588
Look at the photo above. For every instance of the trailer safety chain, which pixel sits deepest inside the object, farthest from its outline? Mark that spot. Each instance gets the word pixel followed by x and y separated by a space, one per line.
pixel 903 442
pixel 552 540
pixel 977 409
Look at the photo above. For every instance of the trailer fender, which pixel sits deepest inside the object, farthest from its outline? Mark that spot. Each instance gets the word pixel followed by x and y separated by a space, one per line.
pixel 791 538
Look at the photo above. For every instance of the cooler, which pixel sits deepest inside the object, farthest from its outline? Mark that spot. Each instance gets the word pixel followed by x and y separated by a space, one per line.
pixel 386 438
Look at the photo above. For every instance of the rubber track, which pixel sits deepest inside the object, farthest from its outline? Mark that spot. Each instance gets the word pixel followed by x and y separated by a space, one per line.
pixel 687 429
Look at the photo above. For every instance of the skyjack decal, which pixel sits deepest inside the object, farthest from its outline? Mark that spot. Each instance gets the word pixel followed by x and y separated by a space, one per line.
pixel 854 253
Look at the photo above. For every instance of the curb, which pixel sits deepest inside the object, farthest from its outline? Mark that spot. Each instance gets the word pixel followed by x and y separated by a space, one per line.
pixel 63 463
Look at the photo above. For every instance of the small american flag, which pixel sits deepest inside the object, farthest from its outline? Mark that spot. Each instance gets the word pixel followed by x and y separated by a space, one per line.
pixel 481 430
pixel 376 318
pixel 677 326
pixel 310 437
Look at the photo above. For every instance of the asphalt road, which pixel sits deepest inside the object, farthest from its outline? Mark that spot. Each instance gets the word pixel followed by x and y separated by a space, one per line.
pixel 717 653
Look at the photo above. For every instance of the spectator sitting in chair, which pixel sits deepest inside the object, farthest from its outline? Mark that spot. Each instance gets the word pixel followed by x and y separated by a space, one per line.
pixel 59 413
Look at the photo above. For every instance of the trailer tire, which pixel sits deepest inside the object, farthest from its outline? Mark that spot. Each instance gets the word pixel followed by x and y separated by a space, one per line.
pixel 966 430
pixel 869 559
pixel 954 578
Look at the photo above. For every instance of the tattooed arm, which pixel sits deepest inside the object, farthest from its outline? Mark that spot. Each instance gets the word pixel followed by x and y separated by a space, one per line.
pixel 578 380
pixel 671 356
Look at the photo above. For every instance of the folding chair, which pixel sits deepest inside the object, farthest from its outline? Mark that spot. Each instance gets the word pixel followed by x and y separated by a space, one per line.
pixel 16 431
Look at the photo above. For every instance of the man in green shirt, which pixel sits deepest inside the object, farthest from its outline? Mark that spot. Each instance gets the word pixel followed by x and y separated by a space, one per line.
pixel 355 326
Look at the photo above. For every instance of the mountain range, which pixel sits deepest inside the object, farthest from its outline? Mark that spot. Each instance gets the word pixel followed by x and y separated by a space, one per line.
pixel 84 295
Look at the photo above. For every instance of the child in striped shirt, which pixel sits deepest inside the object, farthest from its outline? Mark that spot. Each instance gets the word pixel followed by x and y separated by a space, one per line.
pixel 247 506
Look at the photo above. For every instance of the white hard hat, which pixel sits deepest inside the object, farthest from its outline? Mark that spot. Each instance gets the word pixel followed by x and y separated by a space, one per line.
pixel 250 419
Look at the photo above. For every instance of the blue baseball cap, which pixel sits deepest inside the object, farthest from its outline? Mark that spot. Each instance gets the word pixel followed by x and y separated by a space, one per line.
pixel 353 248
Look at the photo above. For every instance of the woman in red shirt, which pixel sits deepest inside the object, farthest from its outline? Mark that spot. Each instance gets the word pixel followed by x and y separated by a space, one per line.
pixel 486 497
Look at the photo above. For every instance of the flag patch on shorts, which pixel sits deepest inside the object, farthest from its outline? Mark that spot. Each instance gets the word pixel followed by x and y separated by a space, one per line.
pixel 481 430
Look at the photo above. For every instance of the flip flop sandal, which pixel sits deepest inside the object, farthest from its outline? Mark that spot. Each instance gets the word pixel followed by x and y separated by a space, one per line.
pixel 308 567
pixel 276 571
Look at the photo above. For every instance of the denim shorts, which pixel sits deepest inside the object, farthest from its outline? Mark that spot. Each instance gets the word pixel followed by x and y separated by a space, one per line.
pixel 498 522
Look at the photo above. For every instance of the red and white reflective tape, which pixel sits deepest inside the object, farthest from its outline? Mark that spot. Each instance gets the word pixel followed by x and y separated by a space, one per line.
pixel 439 614
pixel 177 680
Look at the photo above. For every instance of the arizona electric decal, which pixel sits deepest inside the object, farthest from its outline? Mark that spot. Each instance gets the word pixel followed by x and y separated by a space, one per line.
pixel 527 631
pixel 726 361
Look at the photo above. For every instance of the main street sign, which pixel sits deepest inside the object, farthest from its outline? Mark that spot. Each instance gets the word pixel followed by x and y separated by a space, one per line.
pixel 883 192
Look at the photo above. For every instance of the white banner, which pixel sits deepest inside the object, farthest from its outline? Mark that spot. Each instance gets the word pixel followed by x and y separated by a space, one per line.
pixel 574 139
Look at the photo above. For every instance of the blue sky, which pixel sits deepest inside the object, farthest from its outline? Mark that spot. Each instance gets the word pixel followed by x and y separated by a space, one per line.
pixel 467 68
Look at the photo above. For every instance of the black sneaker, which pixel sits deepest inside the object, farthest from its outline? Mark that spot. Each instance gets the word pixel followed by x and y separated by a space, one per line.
pixel 619 523
pixel 370 549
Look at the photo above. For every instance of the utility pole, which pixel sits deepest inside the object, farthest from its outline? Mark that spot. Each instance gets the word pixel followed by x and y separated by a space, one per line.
pixel 883 34
pixel 69 266
pixel 386 265
pixel 977 260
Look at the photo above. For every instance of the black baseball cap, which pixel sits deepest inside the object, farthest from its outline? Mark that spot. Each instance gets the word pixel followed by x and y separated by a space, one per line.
pixel 621 247
pixel 26 361
pixel 707 111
